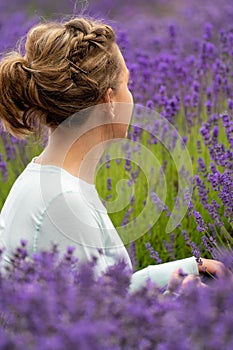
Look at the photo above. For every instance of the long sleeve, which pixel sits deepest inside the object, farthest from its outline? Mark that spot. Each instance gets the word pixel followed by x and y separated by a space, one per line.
pixel 160 274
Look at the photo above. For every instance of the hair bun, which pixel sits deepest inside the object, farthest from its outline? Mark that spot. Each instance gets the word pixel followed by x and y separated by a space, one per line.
pixel 15 99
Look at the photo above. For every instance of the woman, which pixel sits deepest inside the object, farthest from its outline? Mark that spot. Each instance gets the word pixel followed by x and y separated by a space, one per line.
pixel 73 80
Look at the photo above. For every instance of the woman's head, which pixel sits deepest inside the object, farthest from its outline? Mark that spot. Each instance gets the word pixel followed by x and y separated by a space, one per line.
pixel 67 67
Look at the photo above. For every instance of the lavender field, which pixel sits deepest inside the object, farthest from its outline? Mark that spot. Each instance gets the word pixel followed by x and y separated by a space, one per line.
pixel 180 58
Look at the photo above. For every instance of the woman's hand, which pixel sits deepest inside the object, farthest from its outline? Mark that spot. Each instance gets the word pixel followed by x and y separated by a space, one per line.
pixel 212 267
pixel 179 281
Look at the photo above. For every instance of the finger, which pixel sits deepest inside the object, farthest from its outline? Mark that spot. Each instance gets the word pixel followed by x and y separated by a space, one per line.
pixel 192 280
pixel 176 279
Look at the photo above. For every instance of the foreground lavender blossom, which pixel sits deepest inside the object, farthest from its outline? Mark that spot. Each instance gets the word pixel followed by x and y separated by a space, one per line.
pixel 47 303
pixel 183 70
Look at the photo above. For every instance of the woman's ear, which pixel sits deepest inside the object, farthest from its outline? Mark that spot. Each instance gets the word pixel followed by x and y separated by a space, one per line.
pixel 108 100
pixel 108 96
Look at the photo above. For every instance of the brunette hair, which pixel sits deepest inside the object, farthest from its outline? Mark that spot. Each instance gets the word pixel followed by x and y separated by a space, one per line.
pixel 67 68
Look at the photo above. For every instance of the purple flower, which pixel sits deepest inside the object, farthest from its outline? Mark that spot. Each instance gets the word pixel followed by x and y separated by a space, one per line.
pixel 109 184
pixel 126 218
pixel 227 122
pixel 205 132
pixel 196 86
pixel 153 253
pixel 169 246
pixel 108 160
pixel 201 166
pixel 215 134
pixel 187 101
pixel 208 31
pixel 200 222
pixel 213 210
pixel 209 92
pixel 172 31
pixel 3 168
pixel 128 165
pixel 202 192
pixel 184 140
pixel 208 105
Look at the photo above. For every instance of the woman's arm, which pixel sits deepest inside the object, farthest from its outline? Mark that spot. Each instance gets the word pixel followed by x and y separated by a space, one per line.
pixel 160 274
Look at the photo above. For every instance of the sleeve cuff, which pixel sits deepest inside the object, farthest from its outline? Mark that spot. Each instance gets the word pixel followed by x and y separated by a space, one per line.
pixel 160 274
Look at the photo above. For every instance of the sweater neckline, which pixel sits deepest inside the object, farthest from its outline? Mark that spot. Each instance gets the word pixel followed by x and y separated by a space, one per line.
pixel 49 167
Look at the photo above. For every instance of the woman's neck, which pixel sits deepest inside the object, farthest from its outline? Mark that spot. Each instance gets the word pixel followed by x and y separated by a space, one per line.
pixel 79 157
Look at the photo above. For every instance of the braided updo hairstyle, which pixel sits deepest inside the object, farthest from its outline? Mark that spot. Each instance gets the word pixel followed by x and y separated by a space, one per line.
pixel 67 67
